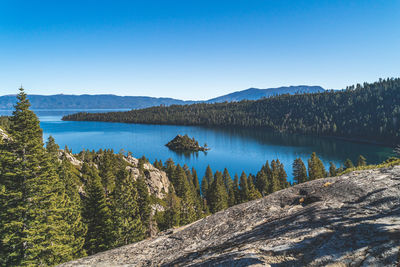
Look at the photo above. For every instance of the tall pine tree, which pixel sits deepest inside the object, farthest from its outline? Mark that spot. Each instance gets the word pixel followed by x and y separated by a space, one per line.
pixel 32 199
pixel 316 168
pixel 299 171
pixel 96 213
pixel 126 216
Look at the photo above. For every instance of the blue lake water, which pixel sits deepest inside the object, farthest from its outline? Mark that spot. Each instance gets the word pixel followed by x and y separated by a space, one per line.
pixel 236 149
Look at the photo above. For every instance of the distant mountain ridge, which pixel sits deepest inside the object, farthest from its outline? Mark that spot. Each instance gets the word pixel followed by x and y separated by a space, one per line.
pixel 62 101
pixel 255 93
pixel 108 101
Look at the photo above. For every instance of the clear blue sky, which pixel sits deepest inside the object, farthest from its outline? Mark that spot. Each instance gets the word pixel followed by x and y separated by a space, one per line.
pixel 193 49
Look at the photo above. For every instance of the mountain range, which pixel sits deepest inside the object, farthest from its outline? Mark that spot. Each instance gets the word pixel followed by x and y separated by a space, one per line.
pixel 108 101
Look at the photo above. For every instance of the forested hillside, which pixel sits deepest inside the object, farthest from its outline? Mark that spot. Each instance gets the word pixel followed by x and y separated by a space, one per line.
pixel 256 94
pixel 62 101
pixel 366 112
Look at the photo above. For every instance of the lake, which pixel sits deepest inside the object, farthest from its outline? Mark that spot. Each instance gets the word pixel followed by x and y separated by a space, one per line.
pixel 236 149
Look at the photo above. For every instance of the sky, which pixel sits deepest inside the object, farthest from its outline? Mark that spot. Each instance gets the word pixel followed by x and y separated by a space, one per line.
pixel 194 49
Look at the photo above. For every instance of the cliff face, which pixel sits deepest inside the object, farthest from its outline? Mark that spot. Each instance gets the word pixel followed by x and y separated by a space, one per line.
pixel 157 181
pixel 3 134
pixel 351 220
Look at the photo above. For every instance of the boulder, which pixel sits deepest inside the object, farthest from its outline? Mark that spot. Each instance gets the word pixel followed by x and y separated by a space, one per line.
pixel 351 220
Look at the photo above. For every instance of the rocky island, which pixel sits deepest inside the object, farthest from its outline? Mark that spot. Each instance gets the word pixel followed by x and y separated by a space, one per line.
pixel 185 144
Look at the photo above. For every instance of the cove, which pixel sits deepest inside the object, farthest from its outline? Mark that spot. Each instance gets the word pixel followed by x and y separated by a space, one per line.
pixel 232 148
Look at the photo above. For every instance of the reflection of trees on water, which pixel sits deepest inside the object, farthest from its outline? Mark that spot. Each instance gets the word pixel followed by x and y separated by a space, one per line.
pixel 189 154
pixel 332 148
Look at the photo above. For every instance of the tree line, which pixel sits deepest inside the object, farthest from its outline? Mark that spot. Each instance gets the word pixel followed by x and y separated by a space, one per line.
pixel 369 112
pixel 53 211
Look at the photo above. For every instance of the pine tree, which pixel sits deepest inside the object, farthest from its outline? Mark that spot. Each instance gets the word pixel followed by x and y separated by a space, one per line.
pixel 73 216
pixel 348 164
pixel 332 169
pixel 262 182
pixel 227 179
pixel 282 175
pixel 172 214
pixel 32 197
pixel 218 195
pixel 244 189
pixel 184 191
pixel 231 197
pixel 204 188
pixel 299 171
pixel 361 161
pixel 274 182
pixel 144 203
pixel 209 175
pixel 196 182
pixel 126 217
pixel 196 194
pixel 107 167
pixel 253 192
pixel 169 168
pixel 96 214
pixel 236 190
pixel 316 168
pixel 52 148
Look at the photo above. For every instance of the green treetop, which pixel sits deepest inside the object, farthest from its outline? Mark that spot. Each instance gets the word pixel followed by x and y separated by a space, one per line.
pixel 299 171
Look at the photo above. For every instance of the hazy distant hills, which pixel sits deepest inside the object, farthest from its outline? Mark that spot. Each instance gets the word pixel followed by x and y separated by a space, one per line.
pixel 255 93
pixel 62 101
pixel 91 101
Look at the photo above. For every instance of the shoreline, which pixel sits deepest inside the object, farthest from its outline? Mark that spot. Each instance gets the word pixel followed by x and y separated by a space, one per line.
pixel 349 139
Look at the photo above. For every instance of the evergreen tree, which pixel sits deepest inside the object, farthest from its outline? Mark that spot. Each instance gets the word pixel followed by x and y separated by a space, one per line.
pixel 236 190
pixel 274 181
pixel 73 216
pixel 96 213
pixel 348 164
pixel 209 175
pixel 299 171
pixel 231 196
pixel 143 203
pixel 169 168
pixel 184 191
pixel 244 189
pixel 316 168
pixel 262 182
pixel 172 213
pixel 196 182
pixel 361 161
pixel 107 167
pixel 126 216
pixel 52 148
pixel 332 169
pixel 204 187
pixel 227 179
pixel 282 175
pixel 253 192
pixel 218 195
pixel 32 197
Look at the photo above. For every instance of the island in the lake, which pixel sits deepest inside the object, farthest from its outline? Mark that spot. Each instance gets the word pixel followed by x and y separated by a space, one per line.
pixel 185 144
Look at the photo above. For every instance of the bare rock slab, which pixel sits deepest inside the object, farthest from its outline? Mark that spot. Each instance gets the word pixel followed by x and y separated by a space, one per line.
pixel 351 220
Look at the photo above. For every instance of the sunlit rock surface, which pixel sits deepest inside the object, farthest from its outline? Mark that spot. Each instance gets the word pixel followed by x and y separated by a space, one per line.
pixel 351 220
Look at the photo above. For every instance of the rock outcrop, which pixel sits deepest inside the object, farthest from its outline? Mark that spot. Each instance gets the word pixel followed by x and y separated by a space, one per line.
pixel 351 220
pixel 3 135
pixel 157 181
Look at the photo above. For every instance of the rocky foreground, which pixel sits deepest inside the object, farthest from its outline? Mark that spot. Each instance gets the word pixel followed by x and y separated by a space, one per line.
pixel 351 220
